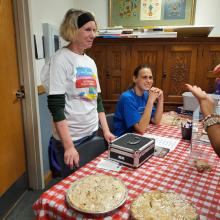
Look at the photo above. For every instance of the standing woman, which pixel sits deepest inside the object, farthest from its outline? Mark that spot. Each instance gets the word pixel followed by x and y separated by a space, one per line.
pixel 135 108
pixel 71 81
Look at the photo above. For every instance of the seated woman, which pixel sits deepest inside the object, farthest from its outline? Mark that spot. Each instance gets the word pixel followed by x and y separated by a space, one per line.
pixel 135 108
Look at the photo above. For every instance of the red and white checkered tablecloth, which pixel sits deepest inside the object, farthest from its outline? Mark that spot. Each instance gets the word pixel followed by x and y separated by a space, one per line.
pixel 173 172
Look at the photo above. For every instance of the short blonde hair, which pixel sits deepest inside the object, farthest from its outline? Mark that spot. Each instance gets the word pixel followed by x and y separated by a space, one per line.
pixel 69 25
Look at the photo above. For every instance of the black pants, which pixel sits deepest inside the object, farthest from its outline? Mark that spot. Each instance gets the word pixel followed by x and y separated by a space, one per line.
pixel 58 150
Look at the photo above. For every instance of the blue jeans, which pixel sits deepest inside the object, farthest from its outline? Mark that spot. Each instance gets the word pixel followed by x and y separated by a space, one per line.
pixel 57 150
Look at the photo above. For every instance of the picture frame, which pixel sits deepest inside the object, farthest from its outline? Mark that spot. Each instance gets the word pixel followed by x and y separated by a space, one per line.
pixel 142 13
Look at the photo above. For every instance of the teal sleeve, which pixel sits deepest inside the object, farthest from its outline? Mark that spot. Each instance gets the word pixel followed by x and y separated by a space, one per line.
pixel 100 107
pixel 56 105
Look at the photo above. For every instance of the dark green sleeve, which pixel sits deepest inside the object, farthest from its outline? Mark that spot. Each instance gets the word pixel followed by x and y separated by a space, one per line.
pixel 56 105
pixel 100 107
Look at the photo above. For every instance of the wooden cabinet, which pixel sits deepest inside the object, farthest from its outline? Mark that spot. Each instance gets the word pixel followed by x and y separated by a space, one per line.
pixel 98 54
pixel 112 64
pixel 209 57
pixel 151 55
pixel 179 68
pixel 116 66
pixel 174 62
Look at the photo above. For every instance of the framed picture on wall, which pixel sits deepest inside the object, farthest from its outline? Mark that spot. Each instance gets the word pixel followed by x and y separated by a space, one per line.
pixel 140 13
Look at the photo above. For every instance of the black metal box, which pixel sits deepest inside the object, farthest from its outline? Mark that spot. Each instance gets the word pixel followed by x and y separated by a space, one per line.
pixel 131 149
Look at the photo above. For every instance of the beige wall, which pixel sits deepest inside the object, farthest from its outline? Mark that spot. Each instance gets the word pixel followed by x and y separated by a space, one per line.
pixel 98 7
pixel 207 12
pixel 46 11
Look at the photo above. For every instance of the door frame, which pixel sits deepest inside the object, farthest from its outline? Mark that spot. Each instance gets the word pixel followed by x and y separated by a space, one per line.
pixel 30 107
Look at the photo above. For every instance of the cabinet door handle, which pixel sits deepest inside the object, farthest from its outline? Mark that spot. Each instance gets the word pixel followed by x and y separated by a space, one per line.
pixel 164 75
pixel 107 74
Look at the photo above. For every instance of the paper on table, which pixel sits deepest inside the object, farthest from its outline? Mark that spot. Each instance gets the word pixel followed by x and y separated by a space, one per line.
pixel 109 165
pixel 165 142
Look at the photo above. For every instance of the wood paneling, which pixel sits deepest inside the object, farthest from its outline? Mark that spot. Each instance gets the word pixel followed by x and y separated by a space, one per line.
pixel 98 53
pixel 210 57
pixel 174 62
pixel 180 68
pixel 151 55
pixel 112 65
pixel 115 71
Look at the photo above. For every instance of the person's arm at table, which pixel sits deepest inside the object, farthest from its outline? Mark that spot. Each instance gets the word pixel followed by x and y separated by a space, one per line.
pixel 105 128
pixel 71 156
pixel 159 111
pixel 102 118
pixel 214 136
pixel 56 104
pixel 141 126
pixel 207 107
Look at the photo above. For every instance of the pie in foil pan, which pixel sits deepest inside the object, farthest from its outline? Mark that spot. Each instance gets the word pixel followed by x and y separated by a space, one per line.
pixel 156 205
pixel 97 194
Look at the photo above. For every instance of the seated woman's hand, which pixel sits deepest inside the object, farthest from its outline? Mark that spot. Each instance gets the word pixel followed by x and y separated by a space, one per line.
pixel 155 93
pixel 160 95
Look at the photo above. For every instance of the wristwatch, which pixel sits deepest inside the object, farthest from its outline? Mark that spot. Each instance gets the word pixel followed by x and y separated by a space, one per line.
pixel 211 120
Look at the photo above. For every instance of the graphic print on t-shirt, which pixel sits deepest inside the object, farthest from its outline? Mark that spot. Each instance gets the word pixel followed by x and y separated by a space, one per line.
pixel 141 110
pixel 85 78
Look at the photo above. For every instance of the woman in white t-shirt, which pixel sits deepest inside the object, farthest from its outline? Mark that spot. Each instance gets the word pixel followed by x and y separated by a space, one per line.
pixel 71 81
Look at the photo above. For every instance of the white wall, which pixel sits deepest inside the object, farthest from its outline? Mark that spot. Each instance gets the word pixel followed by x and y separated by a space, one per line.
pixel 46 11
pixel 207 12
pixel 98 7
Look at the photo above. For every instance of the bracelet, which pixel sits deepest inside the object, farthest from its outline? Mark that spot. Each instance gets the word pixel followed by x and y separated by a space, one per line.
pixel 209 116
pixel 210 120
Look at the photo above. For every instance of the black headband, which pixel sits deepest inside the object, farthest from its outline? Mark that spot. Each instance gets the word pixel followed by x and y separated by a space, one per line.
pixel 84 18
